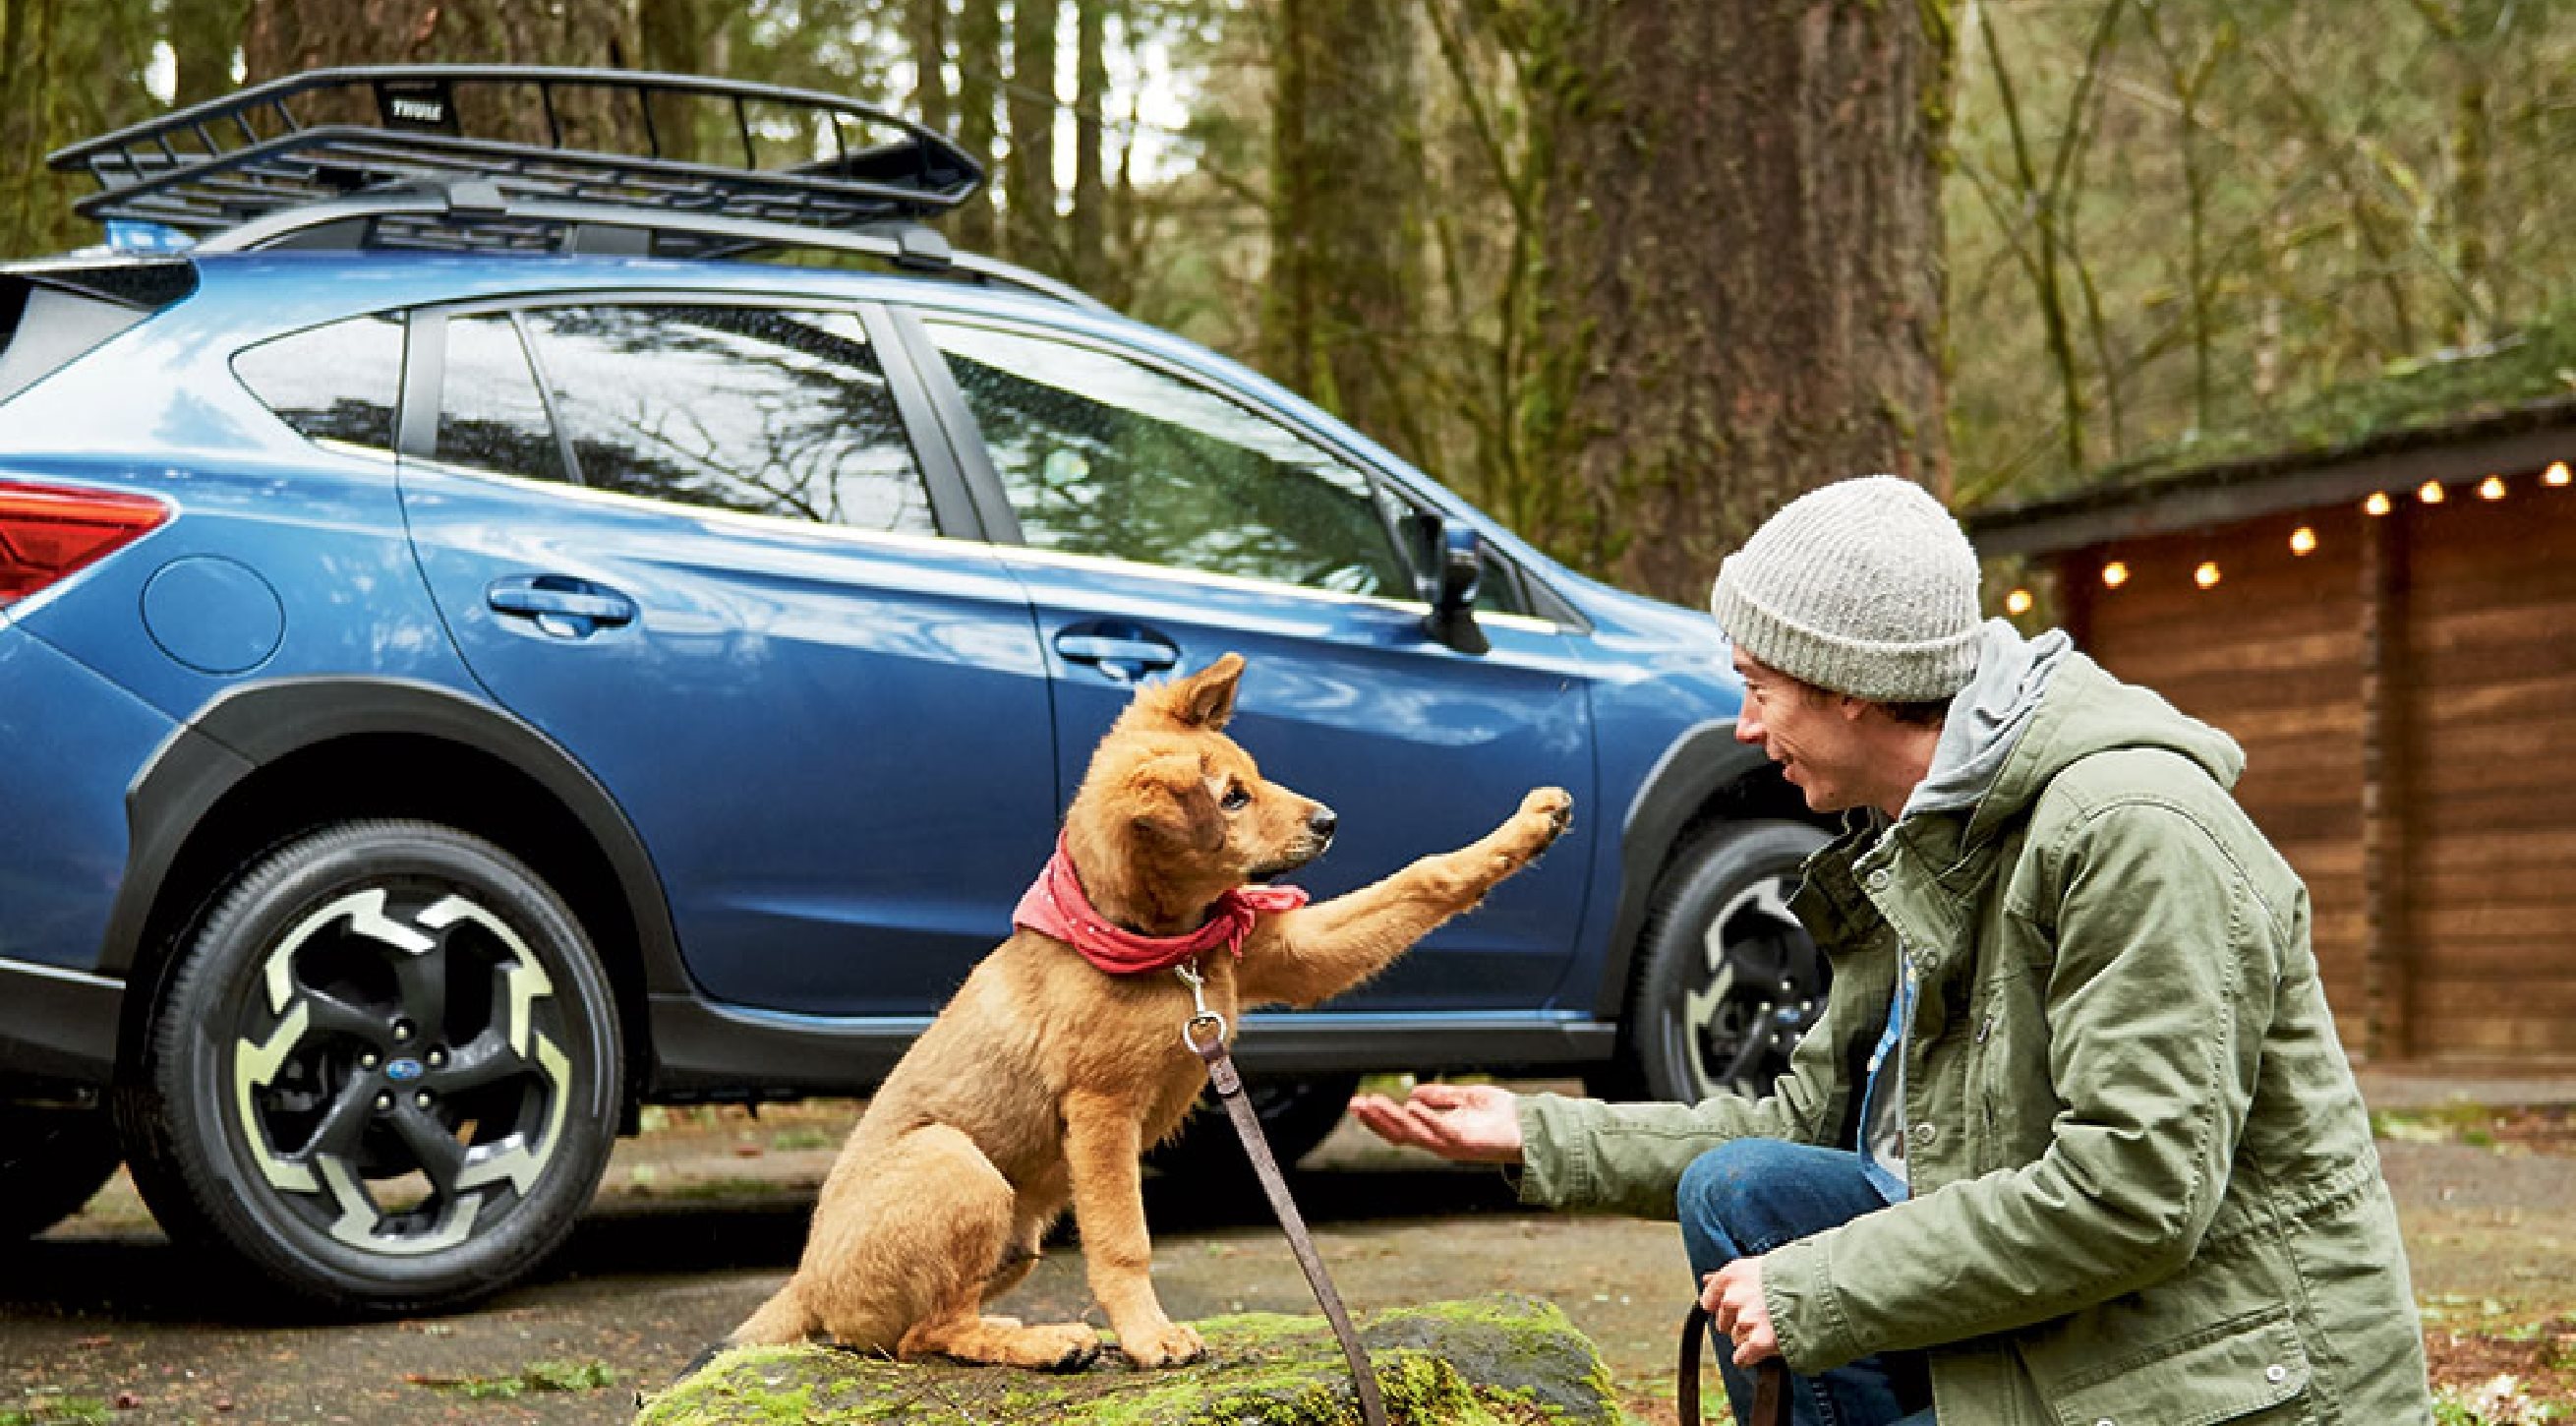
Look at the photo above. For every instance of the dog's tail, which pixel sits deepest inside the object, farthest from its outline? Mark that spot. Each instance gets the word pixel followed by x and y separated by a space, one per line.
pixel 781 1320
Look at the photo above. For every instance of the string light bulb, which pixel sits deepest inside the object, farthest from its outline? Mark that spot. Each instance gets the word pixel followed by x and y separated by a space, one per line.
pixel 2430 492
pixel 2017 602
pixel 2115 574
pixel 2491 488
pixel 2207 575
pixel 2556 474
pixel 2377 504
pixel 2303 541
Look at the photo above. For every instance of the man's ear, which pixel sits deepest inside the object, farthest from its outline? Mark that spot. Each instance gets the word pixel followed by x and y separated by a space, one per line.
pixel 1204 699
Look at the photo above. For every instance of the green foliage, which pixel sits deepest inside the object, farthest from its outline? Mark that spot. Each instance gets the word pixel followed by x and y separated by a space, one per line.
pixel 57 1410
pixel 2267 208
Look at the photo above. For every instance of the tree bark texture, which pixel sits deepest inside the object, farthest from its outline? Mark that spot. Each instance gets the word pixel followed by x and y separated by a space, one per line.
pixel 979 72
pixel 286 36
pixel 1087 226
pixel 28 121
pixel 926 22
pixel 205 35
pixel 1346 236
pixel 1742 283
pixel 1028 178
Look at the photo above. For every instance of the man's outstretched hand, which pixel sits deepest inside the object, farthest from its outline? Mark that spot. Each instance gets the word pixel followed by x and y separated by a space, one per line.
pixel 1471 1123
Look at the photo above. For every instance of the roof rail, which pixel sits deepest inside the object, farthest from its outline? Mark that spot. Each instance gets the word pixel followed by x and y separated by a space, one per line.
pixel 500 134
pixel 470 216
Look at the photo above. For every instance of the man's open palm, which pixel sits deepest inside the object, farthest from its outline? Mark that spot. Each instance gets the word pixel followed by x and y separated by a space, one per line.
pixel 1471 1123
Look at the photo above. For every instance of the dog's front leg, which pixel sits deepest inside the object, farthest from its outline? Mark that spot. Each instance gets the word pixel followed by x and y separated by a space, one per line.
pixel 1322 950
pixel 1102 1147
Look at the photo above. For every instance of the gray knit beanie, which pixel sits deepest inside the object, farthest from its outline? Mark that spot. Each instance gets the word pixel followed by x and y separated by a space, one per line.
pixel 1864 587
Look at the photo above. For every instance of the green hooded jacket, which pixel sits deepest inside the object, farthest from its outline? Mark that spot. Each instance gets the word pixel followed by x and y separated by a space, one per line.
pixel 2142 1183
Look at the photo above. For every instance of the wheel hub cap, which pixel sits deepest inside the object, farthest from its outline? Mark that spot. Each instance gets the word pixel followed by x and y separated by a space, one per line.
pixel 391 1049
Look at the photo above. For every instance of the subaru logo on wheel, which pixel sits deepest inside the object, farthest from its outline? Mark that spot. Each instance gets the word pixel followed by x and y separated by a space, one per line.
pixel 400 1071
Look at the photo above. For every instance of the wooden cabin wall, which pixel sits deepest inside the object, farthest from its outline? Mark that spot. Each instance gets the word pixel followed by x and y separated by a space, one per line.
pixel 2482 742
pixel 2491 810
pixel 2272 655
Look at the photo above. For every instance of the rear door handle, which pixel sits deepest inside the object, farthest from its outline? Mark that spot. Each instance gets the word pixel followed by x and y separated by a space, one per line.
pixel 1122 653
pixel 561 605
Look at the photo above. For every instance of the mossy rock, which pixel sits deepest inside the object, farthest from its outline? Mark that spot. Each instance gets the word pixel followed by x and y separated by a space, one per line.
pixel 1498 1361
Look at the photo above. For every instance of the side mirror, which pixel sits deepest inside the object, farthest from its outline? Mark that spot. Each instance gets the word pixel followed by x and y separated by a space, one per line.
pixel 1451 565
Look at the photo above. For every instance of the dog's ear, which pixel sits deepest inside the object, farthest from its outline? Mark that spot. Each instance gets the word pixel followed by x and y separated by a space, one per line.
pixel 1183 811
pixel 1204 699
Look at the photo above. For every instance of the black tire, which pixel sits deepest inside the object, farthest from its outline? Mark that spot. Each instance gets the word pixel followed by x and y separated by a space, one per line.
pixel 1727 979
pixel 1295 1115
pixel 52 1160
pixel 384 1074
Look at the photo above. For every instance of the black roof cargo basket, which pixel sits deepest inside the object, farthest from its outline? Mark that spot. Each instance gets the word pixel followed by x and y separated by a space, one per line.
pixel 501 137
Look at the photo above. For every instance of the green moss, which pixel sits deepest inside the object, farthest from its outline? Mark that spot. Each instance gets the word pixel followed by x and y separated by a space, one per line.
pixel 1499 1362
pixel 2413 399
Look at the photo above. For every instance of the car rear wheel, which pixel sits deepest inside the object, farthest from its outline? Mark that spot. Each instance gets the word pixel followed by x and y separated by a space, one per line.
pixel 53 1158
pixel 384 1074
pixel 1729 980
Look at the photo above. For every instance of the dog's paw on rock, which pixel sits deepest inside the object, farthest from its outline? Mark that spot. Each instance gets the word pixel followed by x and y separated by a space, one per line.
pixel 1174 1344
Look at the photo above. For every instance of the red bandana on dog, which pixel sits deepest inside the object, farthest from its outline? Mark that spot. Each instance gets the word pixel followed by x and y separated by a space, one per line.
pixel 1055 905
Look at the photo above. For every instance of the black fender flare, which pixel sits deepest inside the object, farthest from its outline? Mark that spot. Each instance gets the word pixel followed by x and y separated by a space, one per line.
pixel 1698 768
pixel 251 726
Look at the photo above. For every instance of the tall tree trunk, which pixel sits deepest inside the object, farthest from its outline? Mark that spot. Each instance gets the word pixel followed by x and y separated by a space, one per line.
pixel 681 37
pixel 979 70
pixel 1087 226
pixel 1743 268
pixel 29 124
pixel 926 22
pixel 285 36
pixel 1028 179
pixel 1345 223
pixel 205 36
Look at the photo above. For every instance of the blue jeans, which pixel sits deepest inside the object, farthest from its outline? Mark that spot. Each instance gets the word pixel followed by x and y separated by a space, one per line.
pixel 1746 1197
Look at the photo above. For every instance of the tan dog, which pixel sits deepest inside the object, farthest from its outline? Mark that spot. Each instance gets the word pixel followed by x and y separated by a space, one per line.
pixel 1046 1078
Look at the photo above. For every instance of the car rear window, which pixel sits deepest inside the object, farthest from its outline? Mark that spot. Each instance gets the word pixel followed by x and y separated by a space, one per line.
pixel 53 312
pixel 336 383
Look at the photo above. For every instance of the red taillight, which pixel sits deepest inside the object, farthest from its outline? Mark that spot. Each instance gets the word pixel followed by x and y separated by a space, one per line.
pixel 48 531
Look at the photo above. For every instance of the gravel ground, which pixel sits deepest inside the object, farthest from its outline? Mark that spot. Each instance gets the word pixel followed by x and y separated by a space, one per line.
pixel 102 1320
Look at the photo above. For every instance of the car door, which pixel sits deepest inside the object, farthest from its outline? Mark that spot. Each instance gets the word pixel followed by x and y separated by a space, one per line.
pixel 1165 520
pixel 692 541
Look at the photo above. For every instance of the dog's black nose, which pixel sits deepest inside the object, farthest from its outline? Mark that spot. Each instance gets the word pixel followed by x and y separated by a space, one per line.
pixel 1321 821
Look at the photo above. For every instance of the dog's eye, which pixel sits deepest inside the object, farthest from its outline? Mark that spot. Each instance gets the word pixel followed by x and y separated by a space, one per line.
pixel 1235 799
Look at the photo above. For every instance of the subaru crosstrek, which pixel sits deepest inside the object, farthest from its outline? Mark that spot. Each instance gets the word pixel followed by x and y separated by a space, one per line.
pixel 479 655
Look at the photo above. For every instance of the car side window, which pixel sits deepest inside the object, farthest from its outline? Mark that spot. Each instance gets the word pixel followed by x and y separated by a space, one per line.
pixel 1100 455
pixel 767 411
pixel 332 383
pixel 489 413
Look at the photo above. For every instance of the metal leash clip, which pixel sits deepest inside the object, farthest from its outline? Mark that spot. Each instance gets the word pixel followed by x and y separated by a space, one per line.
pixel 1201 1015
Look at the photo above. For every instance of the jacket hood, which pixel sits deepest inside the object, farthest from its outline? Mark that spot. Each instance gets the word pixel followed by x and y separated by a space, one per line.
pixel 2086 711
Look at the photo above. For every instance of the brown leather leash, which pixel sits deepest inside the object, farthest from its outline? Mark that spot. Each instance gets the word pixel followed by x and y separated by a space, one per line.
pixel 1770 1378
pixel 1247 1124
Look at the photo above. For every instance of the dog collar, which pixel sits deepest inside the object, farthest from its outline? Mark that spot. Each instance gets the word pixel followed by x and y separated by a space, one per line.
pixel 1055 905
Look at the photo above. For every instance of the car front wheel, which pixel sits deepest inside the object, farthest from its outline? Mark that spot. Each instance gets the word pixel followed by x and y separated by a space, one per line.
pixel 1729 979
pixel 384 1074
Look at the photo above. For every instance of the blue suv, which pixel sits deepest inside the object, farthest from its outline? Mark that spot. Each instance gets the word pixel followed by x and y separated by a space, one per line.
pixel 479 655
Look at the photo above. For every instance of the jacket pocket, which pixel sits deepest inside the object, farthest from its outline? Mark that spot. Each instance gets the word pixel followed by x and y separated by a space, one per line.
pixel 2229 1372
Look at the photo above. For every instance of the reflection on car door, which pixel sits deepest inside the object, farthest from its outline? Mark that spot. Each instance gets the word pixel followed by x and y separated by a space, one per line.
pixel 693 544
pixel 1165 523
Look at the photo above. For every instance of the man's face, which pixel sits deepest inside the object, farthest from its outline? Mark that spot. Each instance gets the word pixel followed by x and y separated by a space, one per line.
pixel 1820 740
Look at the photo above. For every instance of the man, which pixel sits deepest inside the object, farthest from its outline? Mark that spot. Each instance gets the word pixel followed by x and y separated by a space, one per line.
pixel 2074 1140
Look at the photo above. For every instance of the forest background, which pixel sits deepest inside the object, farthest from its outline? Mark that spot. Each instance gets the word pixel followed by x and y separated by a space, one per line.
pixel 1627 273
